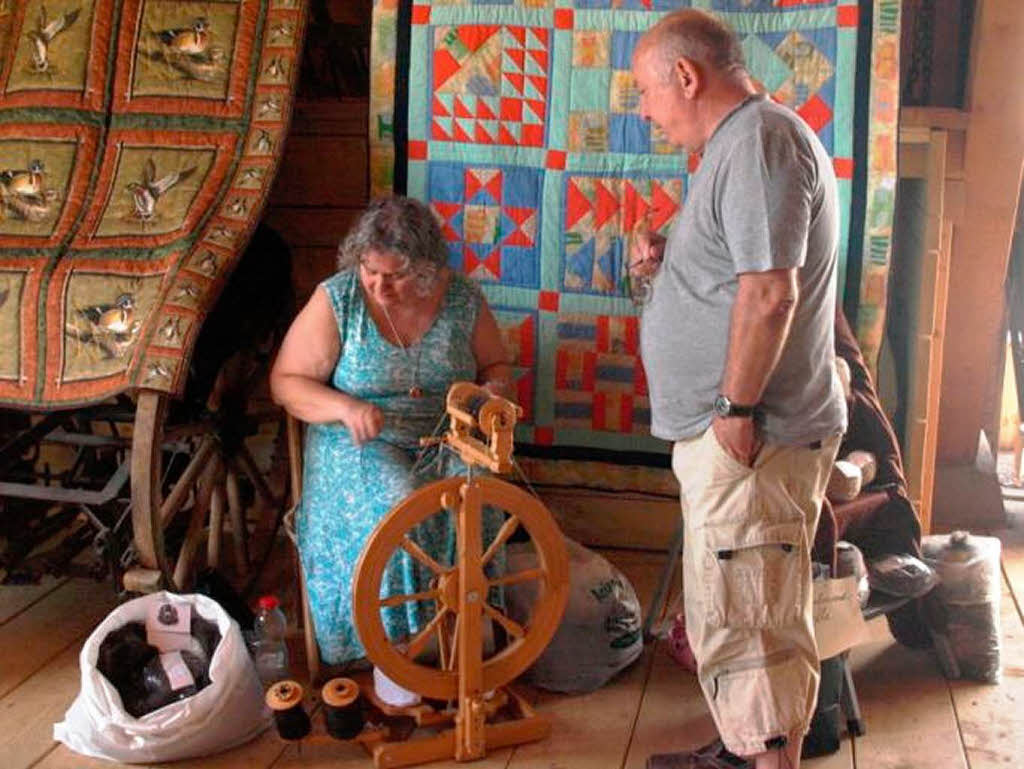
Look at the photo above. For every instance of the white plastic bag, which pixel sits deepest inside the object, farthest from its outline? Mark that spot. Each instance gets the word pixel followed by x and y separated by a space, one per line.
pixel 599 634
pixel 966 632
pixel 226 713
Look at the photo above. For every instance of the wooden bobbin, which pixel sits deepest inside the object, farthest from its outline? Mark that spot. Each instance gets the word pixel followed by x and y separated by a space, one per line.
pixel 343 715
pixel 339 692
pixel 284 695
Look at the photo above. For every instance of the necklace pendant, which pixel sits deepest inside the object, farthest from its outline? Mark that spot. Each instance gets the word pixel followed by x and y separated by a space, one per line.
pixel 415 392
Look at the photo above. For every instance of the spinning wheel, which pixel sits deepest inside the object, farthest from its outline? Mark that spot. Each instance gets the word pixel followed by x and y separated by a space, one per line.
pixel 446 660
pixel 460 592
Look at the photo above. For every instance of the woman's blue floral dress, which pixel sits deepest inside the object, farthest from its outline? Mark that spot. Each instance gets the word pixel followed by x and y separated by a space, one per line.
pixel 348 489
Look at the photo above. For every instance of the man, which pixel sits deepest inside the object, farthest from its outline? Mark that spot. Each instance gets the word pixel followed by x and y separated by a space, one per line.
pixel 737 341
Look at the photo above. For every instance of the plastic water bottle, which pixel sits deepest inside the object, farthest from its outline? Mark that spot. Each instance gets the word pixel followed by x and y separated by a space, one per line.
pixel 269 650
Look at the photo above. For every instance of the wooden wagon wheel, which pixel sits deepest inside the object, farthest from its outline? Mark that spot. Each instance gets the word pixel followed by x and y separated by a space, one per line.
pixel 210 481
pixel 460 591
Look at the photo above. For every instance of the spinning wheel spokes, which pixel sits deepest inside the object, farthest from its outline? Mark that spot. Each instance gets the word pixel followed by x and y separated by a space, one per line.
pixel 398 600
pixel 506 531
pixel 514 578
pixel 416 552
pixel 512 627
pixel 437 675
pixel 419 642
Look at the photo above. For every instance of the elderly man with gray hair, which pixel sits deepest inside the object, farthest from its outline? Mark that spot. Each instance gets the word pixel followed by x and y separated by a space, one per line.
pixel 737 342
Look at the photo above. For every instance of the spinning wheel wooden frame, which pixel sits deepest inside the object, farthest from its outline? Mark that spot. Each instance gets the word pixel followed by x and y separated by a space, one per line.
pixel 460 593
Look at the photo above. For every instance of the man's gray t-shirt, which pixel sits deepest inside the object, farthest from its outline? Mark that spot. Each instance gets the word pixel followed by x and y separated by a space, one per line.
pixel 763 198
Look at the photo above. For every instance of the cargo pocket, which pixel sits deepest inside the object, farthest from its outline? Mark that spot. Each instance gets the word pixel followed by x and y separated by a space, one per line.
pixel 722 461
pixel 757 699
pixel 755 574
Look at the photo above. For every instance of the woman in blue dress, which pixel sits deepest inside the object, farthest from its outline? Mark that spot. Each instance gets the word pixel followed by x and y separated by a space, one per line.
pixel 367 364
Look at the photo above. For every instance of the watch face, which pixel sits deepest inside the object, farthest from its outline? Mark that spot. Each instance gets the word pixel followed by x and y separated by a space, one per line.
pixel 722 406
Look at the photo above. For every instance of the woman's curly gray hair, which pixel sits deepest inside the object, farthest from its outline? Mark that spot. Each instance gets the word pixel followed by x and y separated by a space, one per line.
pixel 401 226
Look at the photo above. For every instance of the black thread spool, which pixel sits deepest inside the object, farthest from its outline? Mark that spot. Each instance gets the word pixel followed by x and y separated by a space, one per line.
pixel 285 699
pixel 343 715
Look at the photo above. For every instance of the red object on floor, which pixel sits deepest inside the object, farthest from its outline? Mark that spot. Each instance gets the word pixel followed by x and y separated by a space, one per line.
pixel 679 645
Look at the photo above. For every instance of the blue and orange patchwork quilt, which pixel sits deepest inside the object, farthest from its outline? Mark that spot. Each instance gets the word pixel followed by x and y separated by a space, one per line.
pixel 517 121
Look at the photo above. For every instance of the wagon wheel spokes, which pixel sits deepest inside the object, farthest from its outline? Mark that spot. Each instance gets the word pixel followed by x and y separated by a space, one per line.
pixel 209 488
pixel 207 491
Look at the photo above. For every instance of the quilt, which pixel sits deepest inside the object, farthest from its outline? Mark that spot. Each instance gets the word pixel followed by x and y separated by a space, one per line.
pixel 516 120
pixel 138 142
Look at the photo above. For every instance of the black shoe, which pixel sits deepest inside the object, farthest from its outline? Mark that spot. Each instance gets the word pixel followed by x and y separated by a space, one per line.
pixel 712 756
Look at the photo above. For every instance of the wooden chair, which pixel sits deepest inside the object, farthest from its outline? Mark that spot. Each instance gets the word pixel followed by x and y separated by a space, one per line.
pixel 295 441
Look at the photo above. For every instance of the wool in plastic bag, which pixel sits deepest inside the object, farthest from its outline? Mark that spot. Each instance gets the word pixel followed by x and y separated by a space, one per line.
pixel 228 712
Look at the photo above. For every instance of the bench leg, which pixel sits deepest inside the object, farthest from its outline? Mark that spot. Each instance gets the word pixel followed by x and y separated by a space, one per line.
pixel 658 601
pixel 848 701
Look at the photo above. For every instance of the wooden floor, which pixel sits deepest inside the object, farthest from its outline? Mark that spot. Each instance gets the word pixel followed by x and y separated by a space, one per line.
pixel 915 718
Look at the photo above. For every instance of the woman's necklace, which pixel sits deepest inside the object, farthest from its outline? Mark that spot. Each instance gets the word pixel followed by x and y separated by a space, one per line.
pixel 415 391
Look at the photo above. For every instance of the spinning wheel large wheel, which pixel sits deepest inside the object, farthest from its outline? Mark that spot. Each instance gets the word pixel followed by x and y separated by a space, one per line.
pixel 460 591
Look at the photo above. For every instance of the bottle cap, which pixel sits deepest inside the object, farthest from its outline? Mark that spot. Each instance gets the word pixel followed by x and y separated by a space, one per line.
pixel 268 602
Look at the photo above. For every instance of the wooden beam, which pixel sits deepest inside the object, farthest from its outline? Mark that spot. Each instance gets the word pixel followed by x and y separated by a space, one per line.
pixel 992 164
pixel 926 348
pixel 934 117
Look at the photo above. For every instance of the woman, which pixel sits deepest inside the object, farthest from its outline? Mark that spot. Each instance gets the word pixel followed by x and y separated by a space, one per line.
pixel 367 363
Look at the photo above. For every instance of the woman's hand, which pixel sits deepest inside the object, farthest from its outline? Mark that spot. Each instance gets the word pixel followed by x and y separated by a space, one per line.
pixel 499 387
pixel 363 420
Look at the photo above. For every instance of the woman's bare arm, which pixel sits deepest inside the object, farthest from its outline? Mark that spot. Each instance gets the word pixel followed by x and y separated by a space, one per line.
pixel 494 370
pixel 299 378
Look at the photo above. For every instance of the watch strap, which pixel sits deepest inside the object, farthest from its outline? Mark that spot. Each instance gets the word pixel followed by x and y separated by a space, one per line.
pixel 740 410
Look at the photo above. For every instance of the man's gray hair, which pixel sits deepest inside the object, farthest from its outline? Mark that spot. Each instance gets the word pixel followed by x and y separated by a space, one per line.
pixel 696 35
pixel 401 226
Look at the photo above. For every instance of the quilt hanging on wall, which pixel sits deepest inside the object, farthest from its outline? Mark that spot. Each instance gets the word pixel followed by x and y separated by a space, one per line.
pixel 516 120
pixel 138 142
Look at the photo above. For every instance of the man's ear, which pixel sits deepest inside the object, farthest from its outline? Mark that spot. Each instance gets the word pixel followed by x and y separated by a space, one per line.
pixel 689 76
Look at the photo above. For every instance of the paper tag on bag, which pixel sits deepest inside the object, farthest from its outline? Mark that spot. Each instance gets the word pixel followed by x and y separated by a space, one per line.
pixel 178 674
pixel 838 623
pixel 169 626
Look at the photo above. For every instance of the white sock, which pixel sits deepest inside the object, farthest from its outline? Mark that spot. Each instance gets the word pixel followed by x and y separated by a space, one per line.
pixel 391 693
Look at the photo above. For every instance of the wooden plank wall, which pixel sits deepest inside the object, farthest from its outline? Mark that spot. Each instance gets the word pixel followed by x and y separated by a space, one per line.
pixel 322 185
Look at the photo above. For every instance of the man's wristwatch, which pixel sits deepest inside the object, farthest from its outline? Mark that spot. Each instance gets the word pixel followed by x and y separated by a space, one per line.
pixel 723 407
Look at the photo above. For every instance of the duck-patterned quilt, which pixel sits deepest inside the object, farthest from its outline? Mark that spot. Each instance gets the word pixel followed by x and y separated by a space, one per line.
pixel 138 141
pixel 517 121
